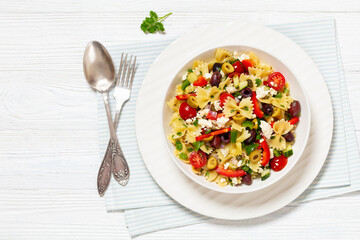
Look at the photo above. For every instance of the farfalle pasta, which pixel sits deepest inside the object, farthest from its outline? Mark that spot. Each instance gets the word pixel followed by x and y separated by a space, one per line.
pixel 233 118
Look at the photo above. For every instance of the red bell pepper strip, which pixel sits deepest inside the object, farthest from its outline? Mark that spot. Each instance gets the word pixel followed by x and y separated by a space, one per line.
pixel 201 81
pixel 199 138
pixel 233 74
pixel 294 120
pixel 230 173
pixel 247 63
pixel 220 115
pixel 257 109
pixel 185 96
pixel 266 152
pixel 272 123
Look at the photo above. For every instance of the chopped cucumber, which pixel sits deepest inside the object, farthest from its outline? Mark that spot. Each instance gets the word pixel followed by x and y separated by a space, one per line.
pixel 288 151
pixel 242 85
pixel 265 174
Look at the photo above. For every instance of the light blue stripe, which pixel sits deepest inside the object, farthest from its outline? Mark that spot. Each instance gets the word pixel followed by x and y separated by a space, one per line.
pixel 317 38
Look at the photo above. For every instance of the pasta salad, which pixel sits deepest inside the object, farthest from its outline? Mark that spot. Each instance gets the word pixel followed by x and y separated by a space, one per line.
pixel 233 119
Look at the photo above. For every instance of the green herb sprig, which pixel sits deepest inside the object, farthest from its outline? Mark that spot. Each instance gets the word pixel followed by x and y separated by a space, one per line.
pixel 153 23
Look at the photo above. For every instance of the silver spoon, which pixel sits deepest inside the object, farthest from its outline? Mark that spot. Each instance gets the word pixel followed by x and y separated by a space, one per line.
pixel 99 72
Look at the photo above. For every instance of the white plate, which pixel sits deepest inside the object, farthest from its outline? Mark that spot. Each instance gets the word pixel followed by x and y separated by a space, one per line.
pixel 302 131
pixel 154 149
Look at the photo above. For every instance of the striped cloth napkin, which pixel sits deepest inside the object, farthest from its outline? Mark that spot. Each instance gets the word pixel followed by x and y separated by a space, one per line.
pixel 147 208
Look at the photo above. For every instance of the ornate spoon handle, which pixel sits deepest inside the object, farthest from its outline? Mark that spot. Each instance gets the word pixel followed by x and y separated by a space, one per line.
pixel 114 158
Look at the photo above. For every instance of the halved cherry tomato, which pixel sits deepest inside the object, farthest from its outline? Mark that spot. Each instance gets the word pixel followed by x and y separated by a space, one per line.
pixel 247 63
pixel 276 80
pixel 224 130
pixel 294 120
pixel 238 67
pixel 266 152
pixel 225 96
pixel 278 163
pixel 257 109
pixel 201 81
pixel 186 111
pixel 230 173
pixel 197 159
pixel 211 115
pixel 185 96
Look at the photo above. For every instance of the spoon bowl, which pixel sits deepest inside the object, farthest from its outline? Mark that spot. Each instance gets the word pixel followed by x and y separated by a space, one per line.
pixel 98 66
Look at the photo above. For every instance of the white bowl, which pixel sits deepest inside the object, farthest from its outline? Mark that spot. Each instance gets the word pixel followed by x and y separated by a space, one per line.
pixel 302 131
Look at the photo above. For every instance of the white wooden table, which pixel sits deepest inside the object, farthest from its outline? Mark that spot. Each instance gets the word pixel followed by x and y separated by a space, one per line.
pixel 48 138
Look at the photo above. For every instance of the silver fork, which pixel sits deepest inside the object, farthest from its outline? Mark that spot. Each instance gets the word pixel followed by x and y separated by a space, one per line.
pixel 122 91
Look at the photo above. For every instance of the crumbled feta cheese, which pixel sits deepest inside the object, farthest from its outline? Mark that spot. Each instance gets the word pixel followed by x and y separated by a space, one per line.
pixel 205 123
pixel 207 75
pixel 202 113
pixel 243 57
pixel 226 165
pixel 239 164
pixel 220 122
pixel 271 153
pixel 234 180
pixel 225 151
pixel 222 73
pixel 230 89
pixel 272 91
pixel 234 161
pixel 236 54
pixel 266 129
pixel 190 120
pixel 260 170
pixel 261 92
pixel 222 180
pixel 217 106
pixel 184 77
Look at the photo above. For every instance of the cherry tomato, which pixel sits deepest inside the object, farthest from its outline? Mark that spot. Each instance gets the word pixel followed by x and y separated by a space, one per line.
pixel 198 159
pixel 186 111
pixel 224 96
pixel 212 115
pixel 247 63
pixel 278 163
pixel 276 80
pixel 238 67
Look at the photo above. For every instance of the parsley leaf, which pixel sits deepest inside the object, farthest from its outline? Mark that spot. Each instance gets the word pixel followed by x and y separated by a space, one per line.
pixel 197 145
pixel 178 145
pixel 153 23
pixel 258 82
pixel 278 95
pixel 183 156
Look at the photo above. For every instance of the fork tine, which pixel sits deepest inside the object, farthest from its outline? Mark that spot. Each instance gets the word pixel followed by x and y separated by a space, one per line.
pixel 119 72
pixel 128 72
pixel 132 73
pixel 124 72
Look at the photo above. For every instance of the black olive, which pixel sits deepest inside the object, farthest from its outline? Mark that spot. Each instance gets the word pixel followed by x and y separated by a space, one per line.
pixel 251 138
pixel 215 79
pixel 267 109
pixel 289 137
pixel 225 137
pixel 216 67
pixel 246 92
